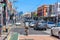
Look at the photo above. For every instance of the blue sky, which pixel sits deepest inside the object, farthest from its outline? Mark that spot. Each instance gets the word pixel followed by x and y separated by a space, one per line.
pixel 31 5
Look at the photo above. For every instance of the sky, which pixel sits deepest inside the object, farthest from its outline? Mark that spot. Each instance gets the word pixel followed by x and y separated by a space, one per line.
pixel 31 5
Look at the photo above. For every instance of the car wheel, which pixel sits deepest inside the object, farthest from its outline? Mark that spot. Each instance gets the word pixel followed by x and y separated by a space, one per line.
pixel 52 33
pixel 59 35
pixel 34 28
pixel 44 28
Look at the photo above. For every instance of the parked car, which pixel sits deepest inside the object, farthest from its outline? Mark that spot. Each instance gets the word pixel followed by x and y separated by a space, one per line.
pixel 1 26
pixel 32 24
pixel 55 31
pixel 40 25
pixel 10 24
pixel 17 23
pixel 50 24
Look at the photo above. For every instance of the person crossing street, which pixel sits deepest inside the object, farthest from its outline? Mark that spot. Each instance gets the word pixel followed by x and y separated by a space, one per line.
pixel 26 28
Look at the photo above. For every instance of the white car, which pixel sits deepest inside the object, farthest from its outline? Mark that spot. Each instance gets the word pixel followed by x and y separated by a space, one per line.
pixel 55 31
pixel 10 24
pixel 17 23
pixel 50 24
pixel 27 24
pixel 32 24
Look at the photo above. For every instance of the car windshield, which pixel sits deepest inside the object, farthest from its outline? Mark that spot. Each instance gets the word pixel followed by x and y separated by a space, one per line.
pixel 33 22
pixel 42 21
pixel 50 22
pixel 58 24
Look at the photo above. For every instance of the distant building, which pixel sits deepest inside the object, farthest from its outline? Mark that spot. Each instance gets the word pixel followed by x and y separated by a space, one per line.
pixel 34 15
pixel 39 11
pixel 57 8
pixel 27 14
pixel 42 11
pixel 51 10
pixel 1 14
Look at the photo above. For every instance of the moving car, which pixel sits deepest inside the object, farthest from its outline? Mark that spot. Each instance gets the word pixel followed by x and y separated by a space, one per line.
pixel 41 25
pixel 10 24
pixel 0 26
pixel 27 24
pixel 55 31
pixel 32 24
pixel 50 24
pixel 17 23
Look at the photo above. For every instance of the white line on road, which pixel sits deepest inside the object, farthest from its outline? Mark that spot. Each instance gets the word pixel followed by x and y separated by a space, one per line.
pixel 35 35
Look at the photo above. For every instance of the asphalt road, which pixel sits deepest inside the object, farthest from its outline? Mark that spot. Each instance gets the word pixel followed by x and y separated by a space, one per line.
pixel 31 31
pixel 20 29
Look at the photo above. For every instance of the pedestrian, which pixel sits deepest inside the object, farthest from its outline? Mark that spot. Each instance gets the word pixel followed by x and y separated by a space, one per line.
pixel 26 30
pixel 0 29
pixel 26 27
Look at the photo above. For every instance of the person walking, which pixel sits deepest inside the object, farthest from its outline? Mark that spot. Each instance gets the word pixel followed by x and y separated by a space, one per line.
pixel 26 27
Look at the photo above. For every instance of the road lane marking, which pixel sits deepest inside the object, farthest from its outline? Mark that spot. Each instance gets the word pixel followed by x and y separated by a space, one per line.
pixel 35 35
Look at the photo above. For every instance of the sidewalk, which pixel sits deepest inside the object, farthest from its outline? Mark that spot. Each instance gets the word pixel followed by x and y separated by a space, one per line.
pixel 2 37
pixel 37 37
pixel 4 34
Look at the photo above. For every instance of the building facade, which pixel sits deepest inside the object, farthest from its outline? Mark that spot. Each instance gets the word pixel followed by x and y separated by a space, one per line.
pixel 51 10
pixel 57 8
pixel 42 11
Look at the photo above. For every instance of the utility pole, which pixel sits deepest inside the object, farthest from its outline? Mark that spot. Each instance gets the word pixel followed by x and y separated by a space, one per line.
pixel 57 14
pixel 5 16
pixel 4 12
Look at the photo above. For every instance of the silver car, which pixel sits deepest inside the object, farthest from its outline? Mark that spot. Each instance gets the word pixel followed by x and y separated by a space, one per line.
pixel 32 24
pixel 41 25
pixel 55 31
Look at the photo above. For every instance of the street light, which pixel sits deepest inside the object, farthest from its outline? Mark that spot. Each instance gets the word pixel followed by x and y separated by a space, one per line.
pixel 57 14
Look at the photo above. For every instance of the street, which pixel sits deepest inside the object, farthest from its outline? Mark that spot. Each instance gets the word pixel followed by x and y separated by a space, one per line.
pixel 21 30
pixel 29 20
pixel 31 31
pixel 39 34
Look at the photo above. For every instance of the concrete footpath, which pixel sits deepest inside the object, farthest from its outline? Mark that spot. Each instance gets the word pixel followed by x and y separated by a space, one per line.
pixel 17 36
pixel 4 34
pixel 2 37
pixel 37 37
